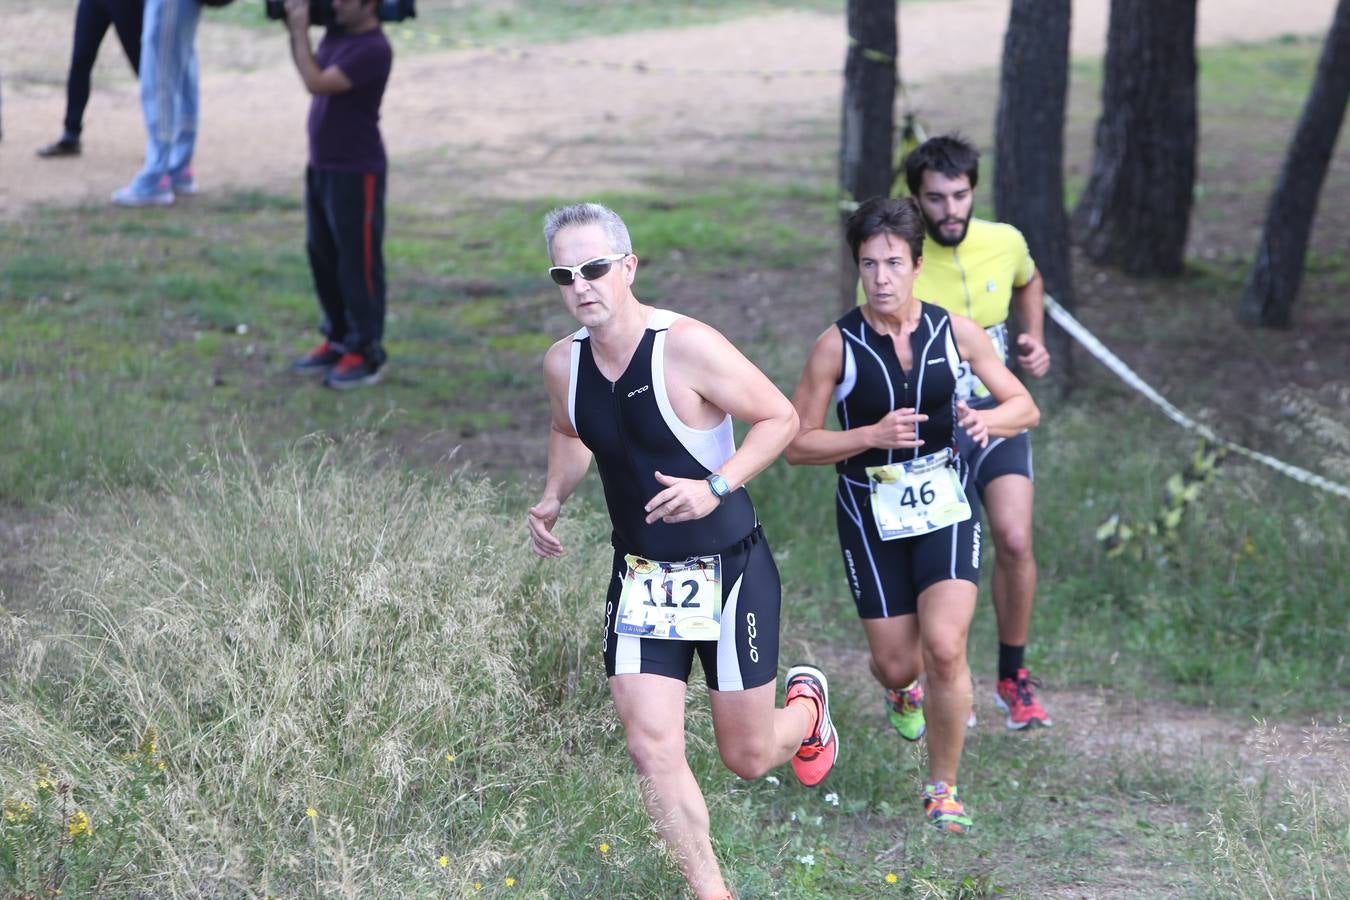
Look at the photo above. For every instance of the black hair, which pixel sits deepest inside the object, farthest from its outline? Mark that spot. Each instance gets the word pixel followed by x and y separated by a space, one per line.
pixel 949 154
pixel 899 216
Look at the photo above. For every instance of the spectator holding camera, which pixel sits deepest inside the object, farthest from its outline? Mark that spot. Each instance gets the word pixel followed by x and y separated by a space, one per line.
pixel 345 186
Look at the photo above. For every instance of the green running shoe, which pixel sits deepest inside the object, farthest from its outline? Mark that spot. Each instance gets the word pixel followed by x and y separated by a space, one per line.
pixel 905 710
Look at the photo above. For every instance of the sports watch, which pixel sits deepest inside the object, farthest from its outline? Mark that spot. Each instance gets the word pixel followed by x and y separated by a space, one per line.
pixel 718 485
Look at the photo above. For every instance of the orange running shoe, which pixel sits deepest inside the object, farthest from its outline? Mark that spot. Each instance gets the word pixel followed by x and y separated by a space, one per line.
pixel 1017 698
pixel 819 752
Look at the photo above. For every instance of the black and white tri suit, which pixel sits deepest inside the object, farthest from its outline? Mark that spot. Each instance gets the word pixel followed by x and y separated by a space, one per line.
pixel 632 429
pixel 887 576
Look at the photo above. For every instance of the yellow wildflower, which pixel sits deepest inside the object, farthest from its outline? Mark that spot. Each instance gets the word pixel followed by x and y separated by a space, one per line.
pixel 443 861
pixel 890 878
pixel 149 745
pixel 478 885
pixel 450 757
pixel 510 882
pixel 79 824
pixel 604 848
pixel 311 812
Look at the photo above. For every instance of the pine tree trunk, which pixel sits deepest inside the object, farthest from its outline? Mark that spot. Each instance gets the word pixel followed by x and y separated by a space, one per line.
pixel 1029 163
pixel 1272 287
pixel 868 117
pixel 1135 212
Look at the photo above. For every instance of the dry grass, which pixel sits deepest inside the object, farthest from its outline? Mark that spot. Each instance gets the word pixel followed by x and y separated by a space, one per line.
pixel 328 634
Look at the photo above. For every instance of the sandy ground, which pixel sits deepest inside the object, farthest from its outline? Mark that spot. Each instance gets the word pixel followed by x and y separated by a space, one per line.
pixel 565 119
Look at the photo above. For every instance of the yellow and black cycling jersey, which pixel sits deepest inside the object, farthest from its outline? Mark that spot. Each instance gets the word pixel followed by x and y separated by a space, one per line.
pixel 977 277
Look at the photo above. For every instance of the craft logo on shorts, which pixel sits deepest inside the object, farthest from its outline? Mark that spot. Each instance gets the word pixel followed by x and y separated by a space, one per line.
pixel 975 547
pixel 852 574
pixel 752 632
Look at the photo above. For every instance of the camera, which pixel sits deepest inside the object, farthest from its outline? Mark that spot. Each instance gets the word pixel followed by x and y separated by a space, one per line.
pixel 321 11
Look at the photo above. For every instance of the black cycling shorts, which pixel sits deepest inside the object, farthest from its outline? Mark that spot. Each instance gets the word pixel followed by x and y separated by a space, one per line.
pixel 886 577
pixel 1001 456
pixel 744 657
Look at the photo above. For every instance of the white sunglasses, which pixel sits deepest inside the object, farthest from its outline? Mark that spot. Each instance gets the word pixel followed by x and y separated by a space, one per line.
pixel 590 270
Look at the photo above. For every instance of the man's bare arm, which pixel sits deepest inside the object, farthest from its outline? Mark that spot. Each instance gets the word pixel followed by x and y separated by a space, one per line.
pixel 1028 302
pixel 568 457
pixel 699 357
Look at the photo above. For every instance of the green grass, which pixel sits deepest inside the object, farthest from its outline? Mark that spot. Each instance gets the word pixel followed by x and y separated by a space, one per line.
pixel 199 319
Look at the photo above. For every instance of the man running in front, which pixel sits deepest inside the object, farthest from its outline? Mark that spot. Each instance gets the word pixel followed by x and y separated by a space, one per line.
pixel 651 395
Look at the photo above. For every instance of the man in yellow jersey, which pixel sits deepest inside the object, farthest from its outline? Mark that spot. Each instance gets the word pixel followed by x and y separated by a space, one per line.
pixel 983 270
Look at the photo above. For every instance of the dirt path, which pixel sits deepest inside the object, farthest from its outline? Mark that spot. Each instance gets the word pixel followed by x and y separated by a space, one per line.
pixel 563 120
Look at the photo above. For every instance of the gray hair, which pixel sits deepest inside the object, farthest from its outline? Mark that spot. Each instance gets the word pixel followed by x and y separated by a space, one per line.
pixel 588 214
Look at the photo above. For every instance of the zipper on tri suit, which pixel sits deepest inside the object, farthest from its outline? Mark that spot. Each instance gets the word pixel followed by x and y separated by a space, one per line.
pixel 915 365
pixel 904 379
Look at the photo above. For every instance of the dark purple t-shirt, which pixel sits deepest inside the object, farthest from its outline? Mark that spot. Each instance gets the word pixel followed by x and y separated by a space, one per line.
pixel 344 129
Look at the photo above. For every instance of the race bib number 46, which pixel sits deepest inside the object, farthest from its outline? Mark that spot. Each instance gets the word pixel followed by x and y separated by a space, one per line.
pixel 916 496
pixel 673 601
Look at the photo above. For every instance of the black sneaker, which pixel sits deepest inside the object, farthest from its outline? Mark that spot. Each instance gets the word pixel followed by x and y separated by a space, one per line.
pixel 320 359
pixel 65 147
pixel 352 370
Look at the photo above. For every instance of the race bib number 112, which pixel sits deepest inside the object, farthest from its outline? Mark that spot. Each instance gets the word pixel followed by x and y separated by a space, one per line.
pixel 672 601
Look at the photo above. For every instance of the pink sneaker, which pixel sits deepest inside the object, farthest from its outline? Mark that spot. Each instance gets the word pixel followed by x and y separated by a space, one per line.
pixel 1017 698
pixel 819 752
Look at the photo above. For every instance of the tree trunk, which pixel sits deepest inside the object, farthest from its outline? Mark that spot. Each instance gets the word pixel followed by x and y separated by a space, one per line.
pixel 1272 287
pixel 1136 210
pixel 869 116
pixel 1029 164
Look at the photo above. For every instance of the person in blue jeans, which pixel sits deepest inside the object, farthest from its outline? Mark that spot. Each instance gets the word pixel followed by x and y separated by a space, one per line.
pixel 92 20
pixel 344 187
pixel 169 102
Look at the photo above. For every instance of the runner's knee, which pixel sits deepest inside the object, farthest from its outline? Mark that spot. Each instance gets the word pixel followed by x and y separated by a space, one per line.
pixel 945 657
pixel 749 762
pixel 1013 543
pixel 654 754
pixel 896 672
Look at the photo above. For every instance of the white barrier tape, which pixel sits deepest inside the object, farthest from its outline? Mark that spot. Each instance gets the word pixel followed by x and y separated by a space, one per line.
pixel 1127 375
